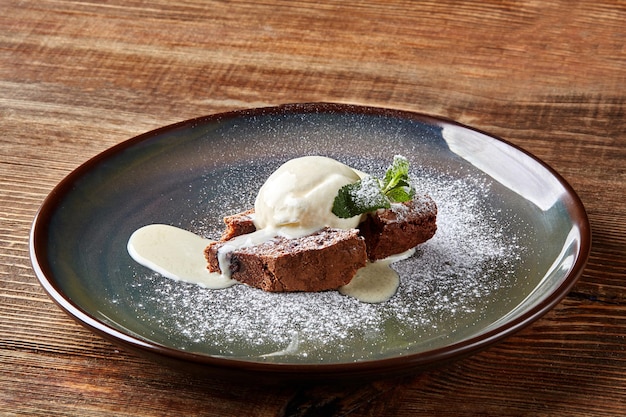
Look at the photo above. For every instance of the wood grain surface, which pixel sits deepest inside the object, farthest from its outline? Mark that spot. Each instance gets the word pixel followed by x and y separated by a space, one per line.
pixel 77 77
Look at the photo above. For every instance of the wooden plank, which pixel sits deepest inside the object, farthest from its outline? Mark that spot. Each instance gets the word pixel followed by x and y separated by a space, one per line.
pixel 77 77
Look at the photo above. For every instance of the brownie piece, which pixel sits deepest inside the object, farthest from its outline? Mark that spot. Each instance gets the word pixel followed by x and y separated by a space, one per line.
pixel 400 228
pixel 325 260
pixel 238 224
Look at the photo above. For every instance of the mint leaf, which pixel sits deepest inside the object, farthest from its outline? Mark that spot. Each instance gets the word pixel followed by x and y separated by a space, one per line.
pixel 398 171
pixel 400 194
pixel 343 206
pixel 370 194
pixel 360 197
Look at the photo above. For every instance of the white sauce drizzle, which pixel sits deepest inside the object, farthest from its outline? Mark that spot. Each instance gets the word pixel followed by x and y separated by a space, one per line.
pixel 377 281
pixel 178 254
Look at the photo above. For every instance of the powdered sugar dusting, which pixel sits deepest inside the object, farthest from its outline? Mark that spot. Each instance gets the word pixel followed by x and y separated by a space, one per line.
pixel 369 192
pixel 446 289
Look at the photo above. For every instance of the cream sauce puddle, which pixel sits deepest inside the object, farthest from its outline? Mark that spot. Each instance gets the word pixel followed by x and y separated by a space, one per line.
pixel 176 254
pixel 377 281
pixel 179 255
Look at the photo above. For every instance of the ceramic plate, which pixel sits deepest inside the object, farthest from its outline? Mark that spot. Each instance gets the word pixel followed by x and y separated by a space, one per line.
pixel 512 239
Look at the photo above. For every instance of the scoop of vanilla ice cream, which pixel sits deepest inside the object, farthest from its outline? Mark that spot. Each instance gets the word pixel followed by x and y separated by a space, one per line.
pixel 298 197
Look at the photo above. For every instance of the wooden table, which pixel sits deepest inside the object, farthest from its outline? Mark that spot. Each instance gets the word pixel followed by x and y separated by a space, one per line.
pixel 77 77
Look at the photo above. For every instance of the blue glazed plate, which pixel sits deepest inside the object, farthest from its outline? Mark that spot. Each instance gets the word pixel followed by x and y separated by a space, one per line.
pixel 512 239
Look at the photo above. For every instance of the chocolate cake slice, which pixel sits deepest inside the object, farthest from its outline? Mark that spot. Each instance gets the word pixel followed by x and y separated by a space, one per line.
pixel 238 224
pixel 325 260
pixel 402 227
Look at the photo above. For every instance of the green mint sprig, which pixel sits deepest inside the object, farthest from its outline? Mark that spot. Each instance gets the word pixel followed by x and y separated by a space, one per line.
pixel 370 193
